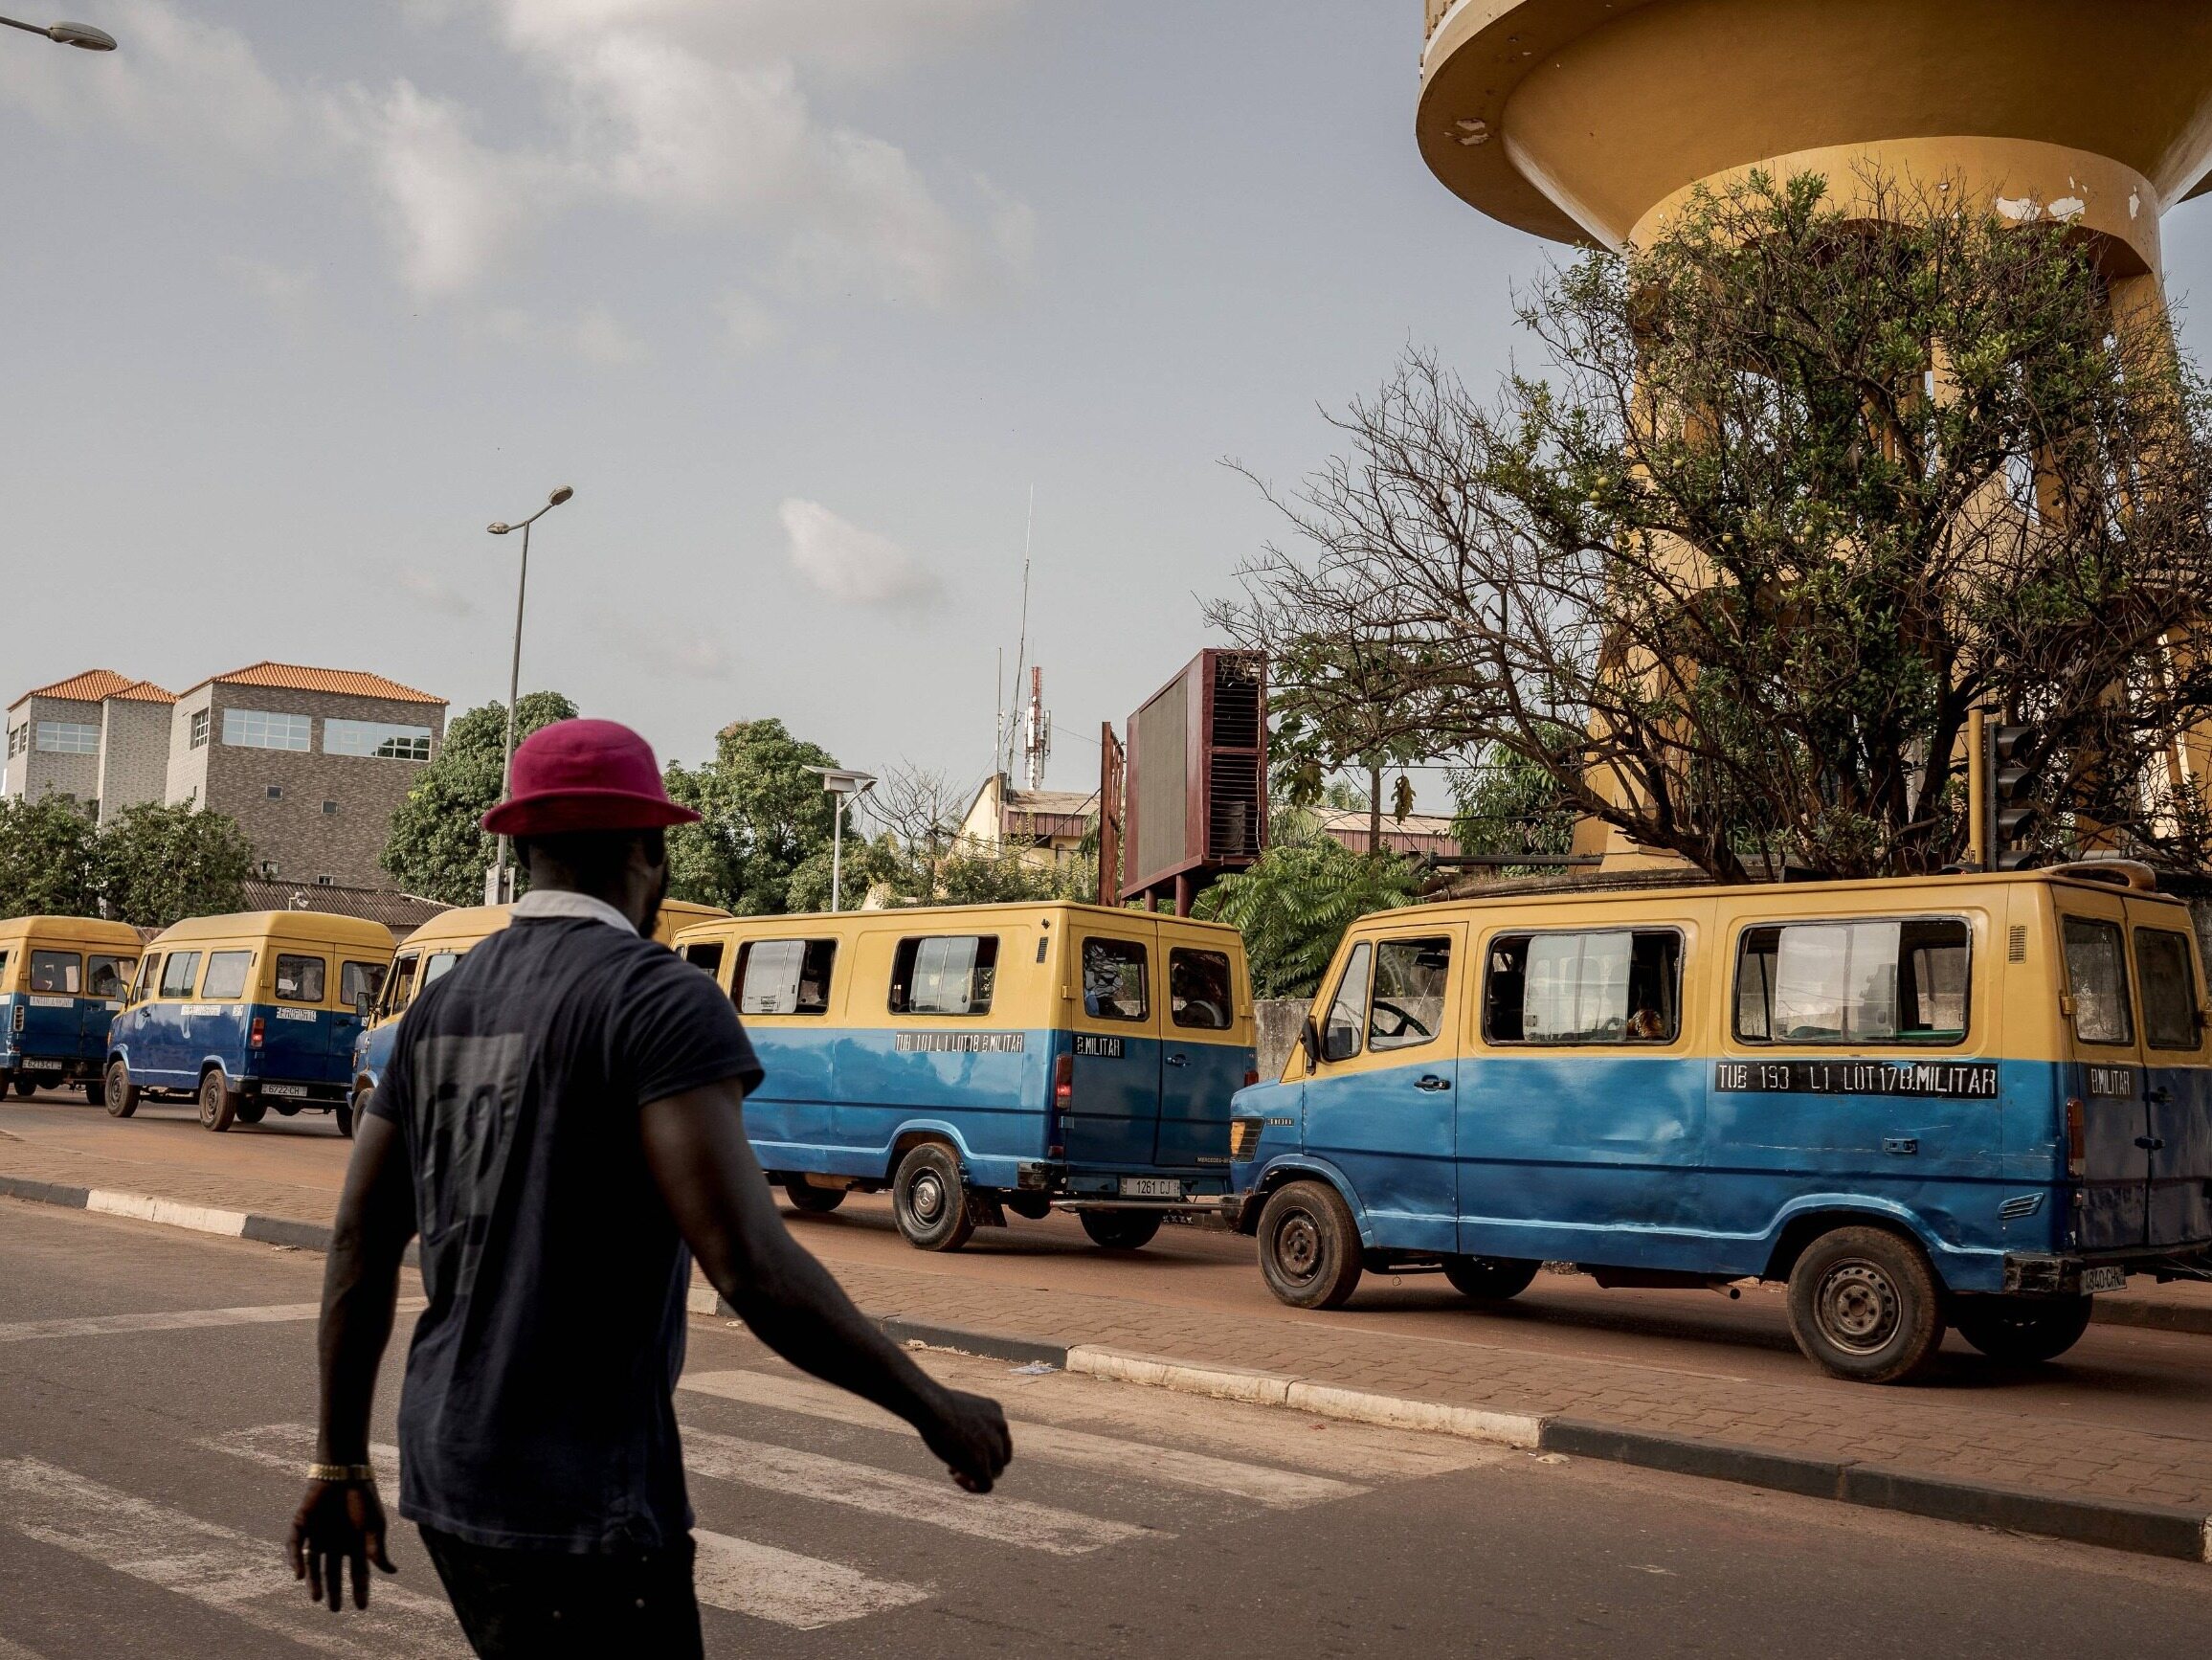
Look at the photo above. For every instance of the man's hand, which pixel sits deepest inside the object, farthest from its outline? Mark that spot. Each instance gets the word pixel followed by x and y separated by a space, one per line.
pixel 969 1432
pixel 338 1522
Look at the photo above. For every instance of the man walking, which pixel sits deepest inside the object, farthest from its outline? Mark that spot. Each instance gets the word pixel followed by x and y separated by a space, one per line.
pixel 562 1119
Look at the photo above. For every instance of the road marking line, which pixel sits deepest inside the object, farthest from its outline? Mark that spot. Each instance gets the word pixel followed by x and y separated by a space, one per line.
pixel 788 1589
pixel 1280 1489
pixel 1007 1521
pixel 215 1566
pixel 739 1575
pixel 145 1208
pixel 173 1320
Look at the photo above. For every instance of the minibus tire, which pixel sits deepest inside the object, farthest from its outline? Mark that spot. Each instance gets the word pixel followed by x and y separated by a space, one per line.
pixel 342 1116
pixel 252 1111
pixel 1865 1306
pixel 218 1101
pixel 1308 1246
pixel 95 1093
pixel 119 1095
pixel 2021 1330
pixel 26 1086
pixel 814 1200
pixel 1121 1230
pixel 930 1201
pixel 1491 1279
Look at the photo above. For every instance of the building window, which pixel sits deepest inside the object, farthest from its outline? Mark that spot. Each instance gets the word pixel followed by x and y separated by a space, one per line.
pixel 19 738
pixel 329 809
pixel 324 881
pixel 259 729
pixel 268 870
pixel 276 791
pixel 67 738
pixel 378 738
pixel 199 729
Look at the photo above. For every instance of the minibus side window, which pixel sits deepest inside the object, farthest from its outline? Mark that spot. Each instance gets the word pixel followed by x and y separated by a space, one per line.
pixel 785 977
pixel 943 976
pixel 1408 1009
pixel 56 971
pixel 1618 986
pixel 150 969
pixel 178 975
pixel 1891 981
pixel 705 954
pixel 105 975
pixel 398 985
pixel 1113 981
pixel 1198 991
pixel 1348 1014
pixel 439 966
pixel 3 971
pixel 357 981
pixel 300 980
pixel 226 978
pixel 2171 1019
pixel 2097 978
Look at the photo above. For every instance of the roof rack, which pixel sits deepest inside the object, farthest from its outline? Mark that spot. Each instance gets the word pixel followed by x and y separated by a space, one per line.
pixel 2129 873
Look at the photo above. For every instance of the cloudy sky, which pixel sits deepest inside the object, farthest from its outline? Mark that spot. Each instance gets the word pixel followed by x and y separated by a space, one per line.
pixel 802 297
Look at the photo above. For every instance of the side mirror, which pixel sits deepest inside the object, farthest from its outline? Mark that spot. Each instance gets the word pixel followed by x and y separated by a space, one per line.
pixel 365 1005
pixel 1340 1044
pixel 1309 1043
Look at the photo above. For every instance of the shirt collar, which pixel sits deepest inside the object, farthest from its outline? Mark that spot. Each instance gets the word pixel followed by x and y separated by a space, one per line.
pixel 562 903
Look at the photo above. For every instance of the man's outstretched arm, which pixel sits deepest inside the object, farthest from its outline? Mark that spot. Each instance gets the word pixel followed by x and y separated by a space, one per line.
pixel 696 1148
pixel 343 1521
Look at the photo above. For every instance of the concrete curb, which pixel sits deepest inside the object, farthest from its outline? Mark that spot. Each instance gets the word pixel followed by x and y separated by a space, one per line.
pixel 2117 1524
pixel 2192 1318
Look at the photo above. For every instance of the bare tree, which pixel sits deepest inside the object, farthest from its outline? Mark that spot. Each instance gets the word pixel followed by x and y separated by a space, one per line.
pixel 1804 489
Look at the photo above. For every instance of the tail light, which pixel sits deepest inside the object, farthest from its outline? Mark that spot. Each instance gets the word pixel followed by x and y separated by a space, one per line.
pixel 2077 1138
pixel 1251 1076
pixel 1243 1139
pixel 1062 1103
pixel 254 1038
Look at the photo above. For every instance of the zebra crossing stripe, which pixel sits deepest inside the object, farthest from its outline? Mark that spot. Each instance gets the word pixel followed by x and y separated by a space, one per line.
pixel 1110 1455
pixel 936 1502
pixel 215 1566
pixel 173 1321
pixel 746 1578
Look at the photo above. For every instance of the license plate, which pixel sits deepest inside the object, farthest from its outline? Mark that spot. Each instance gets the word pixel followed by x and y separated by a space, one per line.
pixel 2104 1279
pixel 1150 1187
pixel 40 1066
pixel 290 1091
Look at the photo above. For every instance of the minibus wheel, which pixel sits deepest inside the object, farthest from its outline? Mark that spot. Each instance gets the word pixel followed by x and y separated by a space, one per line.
pixel 343 1115
pixel 218 1101
pixel 1489 1279
pixel 1308 1246
pixel 814 1200
pixel 95 1093
pixel 1865 1306
pixel 929 1201
pixel 26 1086
pixel 2022 1330
pixel 121 1093
pixel 1121 1230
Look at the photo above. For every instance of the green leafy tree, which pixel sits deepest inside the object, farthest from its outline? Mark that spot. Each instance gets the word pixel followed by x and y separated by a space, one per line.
pixel 762 815
pixel 1506 803
pixel 437 848
pixel 45 858
pixel 1294 904
pixel 158 864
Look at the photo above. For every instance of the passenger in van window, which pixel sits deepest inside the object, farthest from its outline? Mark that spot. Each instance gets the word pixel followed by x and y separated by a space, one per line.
pixel 537 1426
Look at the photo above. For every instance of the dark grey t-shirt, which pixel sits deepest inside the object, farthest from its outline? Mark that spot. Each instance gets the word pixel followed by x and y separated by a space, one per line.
pixel 537 1409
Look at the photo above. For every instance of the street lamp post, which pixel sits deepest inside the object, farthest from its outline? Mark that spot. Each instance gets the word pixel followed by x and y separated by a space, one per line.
pixel 841 785
pixel 497 886
pixel 79 34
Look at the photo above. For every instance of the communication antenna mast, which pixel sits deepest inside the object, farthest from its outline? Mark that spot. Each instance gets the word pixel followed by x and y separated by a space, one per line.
pixel 1037 730
pixel 1021 642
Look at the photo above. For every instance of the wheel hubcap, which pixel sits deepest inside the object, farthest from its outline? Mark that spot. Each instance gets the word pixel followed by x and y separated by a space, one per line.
pixel 926 1200
pixel 1298 1246
pixel 1858 1307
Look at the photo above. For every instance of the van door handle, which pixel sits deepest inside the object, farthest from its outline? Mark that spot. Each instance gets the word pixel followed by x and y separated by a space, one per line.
pixel 2151 1143
pixel 1178 1059
pixel 1432 1083
pixel 2161 1096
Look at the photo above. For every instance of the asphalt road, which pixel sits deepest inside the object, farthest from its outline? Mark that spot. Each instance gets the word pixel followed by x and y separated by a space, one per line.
pixel 154 1389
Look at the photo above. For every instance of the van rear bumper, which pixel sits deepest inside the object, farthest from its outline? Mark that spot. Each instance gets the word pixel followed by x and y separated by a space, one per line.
pixel 2032 1274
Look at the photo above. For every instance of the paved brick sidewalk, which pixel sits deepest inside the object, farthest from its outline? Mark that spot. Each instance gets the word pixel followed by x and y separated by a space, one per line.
pixel 1957 1434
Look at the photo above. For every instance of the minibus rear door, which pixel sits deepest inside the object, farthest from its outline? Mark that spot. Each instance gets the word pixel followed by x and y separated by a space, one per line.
pixel 2177 1074
pixel 1113 1116
pixel 2105 1129
pixel 1202 1064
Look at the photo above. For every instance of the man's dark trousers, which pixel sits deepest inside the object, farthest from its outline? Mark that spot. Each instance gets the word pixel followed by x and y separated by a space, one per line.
pixel 552 1604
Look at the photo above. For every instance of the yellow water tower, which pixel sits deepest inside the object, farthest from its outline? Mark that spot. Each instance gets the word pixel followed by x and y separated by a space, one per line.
pixel 1588 121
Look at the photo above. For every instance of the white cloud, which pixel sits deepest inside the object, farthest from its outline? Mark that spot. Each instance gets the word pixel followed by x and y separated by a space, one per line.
pixel 667 648
pixel 853 566
pixel 748 325
pixel 596 335
pixel 433 592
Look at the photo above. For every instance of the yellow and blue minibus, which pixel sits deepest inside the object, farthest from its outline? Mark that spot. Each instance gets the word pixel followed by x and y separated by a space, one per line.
pixel 1970 1102
pixel 247 1012
pixel 976 1060
pixel 61 981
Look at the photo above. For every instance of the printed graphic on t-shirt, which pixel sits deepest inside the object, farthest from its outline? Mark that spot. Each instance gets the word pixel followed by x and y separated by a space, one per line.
pixel 466 1091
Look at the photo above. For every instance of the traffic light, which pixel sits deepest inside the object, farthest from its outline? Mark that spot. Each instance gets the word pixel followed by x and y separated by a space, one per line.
pixel 2016 756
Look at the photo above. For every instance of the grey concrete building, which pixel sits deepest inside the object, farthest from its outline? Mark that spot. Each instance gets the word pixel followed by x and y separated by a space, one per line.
pixel 309 761
pixel 96 737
